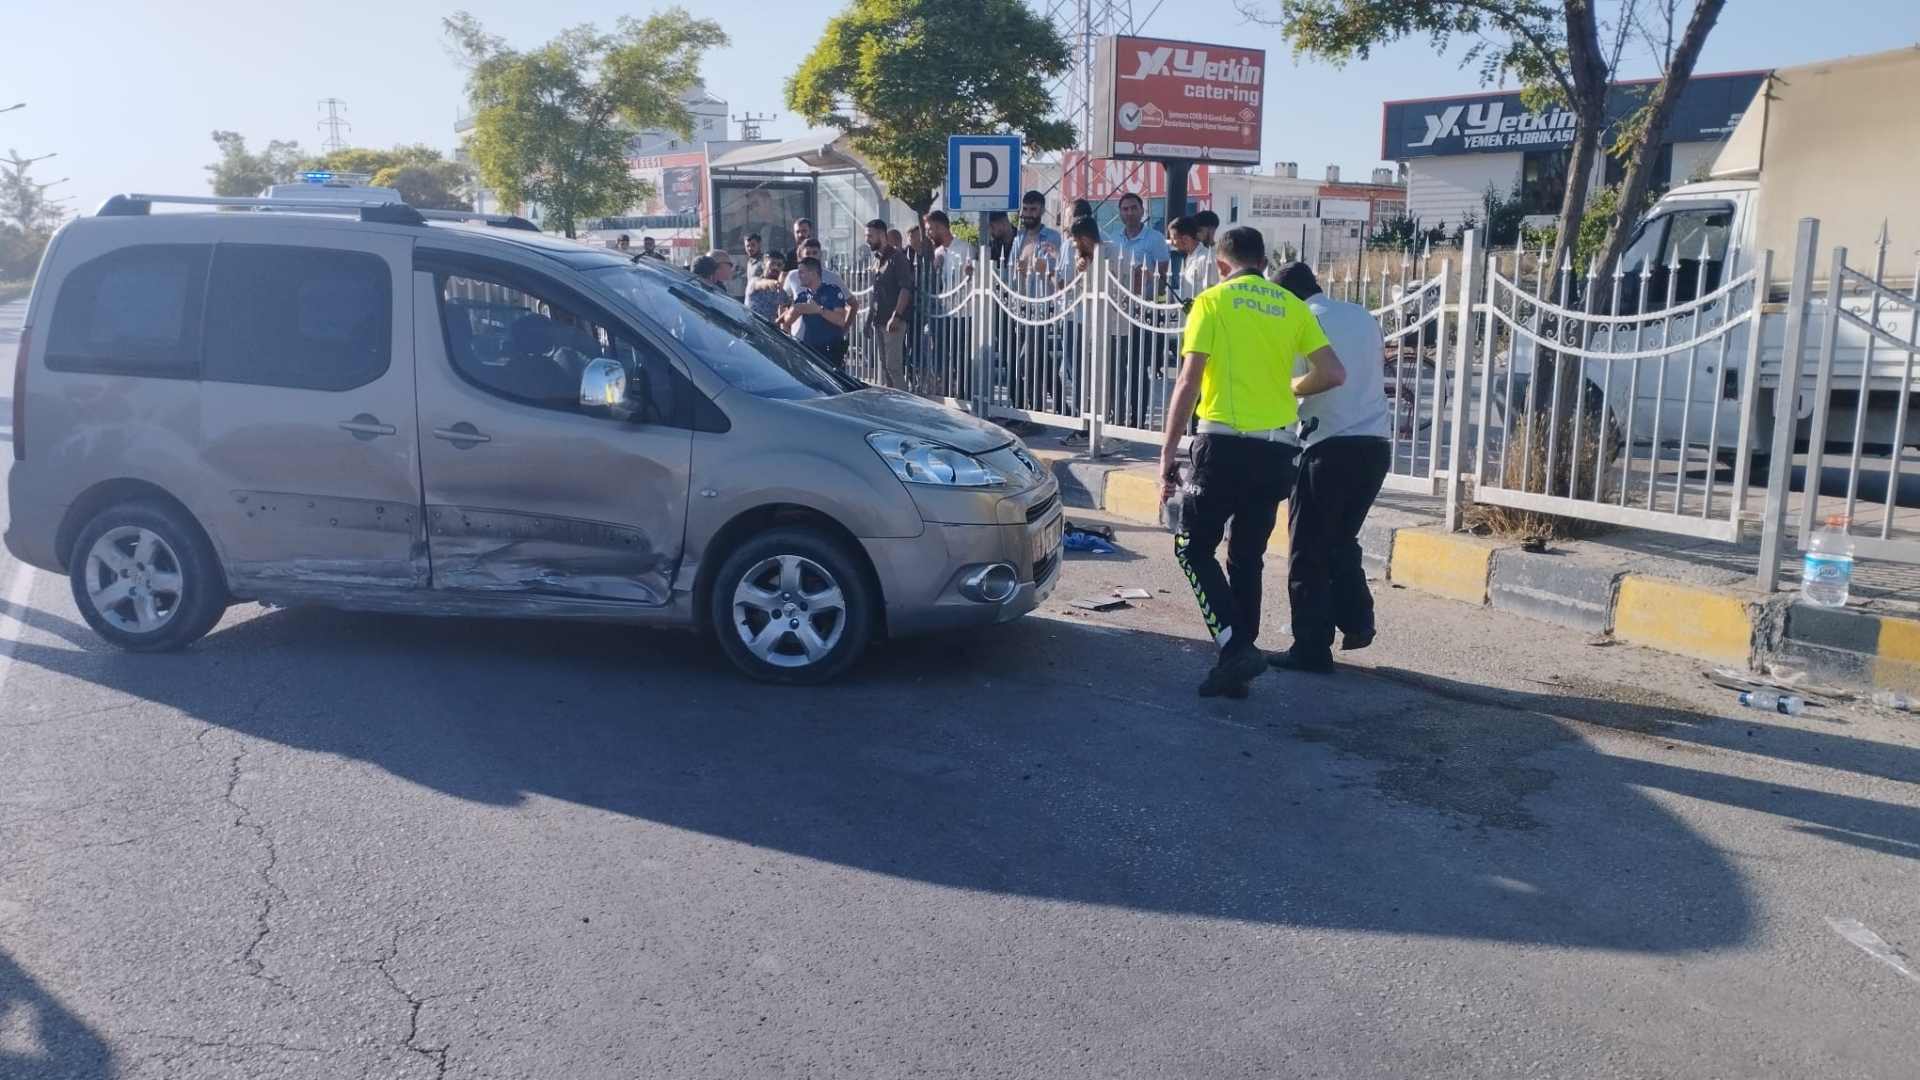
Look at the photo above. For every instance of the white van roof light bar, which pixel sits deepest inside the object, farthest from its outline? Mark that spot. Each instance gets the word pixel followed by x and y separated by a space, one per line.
pixel 387 213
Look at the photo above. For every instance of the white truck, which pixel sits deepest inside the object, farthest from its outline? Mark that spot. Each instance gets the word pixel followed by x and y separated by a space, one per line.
pixel 1837 141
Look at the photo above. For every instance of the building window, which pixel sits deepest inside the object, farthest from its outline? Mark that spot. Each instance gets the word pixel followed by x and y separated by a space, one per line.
pixel 1543 180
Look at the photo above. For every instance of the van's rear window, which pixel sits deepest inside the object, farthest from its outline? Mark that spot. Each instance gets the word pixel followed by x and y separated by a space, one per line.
pixel 132 311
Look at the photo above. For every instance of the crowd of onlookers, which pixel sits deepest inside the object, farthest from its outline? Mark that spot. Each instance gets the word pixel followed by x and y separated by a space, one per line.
pixel 795 289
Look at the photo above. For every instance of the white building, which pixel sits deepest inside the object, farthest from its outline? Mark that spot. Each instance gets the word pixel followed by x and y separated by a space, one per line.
pixel 1455 148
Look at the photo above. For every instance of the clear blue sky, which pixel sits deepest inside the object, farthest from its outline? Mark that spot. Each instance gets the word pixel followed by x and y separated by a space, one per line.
pixel 126 91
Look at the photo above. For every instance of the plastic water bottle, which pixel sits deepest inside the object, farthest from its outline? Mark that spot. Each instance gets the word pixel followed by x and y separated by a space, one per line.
pixel 1827 576
pixel 1768 701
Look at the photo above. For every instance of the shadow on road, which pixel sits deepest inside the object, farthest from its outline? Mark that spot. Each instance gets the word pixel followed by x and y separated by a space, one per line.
pixel 1055 759
pixel 39 1038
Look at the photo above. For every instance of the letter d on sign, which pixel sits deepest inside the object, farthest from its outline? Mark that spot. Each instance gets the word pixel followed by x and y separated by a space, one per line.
pixel 983 170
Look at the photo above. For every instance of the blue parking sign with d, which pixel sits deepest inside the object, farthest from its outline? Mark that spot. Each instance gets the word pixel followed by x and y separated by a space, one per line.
pixel 983 172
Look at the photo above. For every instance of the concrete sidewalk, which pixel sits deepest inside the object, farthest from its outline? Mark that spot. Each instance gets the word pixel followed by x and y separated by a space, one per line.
pixel 1695 598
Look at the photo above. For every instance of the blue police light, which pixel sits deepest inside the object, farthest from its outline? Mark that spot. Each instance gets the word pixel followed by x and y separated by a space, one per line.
pixel 316 177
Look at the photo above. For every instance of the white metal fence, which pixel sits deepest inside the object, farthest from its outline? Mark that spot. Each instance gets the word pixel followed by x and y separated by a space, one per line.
pixel 1672 382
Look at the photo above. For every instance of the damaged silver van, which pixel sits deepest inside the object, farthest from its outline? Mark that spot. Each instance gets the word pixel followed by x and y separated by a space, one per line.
pixel 379 408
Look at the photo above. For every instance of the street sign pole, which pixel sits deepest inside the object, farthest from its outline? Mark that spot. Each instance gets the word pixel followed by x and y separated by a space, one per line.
pixel 1177 169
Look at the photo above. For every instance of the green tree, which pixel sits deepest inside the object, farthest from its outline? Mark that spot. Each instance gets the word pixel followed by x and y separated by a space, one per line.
pixel 551 124
pixel 1553 48
pixel 240 172
pixel 422 175
pixel 1639 142
pixel 27 218
pixel 899 76
pixel 428 187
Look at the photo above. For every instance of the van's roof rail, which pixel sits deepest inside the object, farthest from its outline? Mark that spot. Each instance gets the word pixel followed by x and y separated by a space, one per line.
pixel 386 213
pixel 498 221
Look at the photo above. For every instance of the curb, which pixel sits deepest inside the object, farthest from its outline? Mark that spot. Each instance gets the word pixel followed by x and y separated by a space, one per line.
pixel 1444 564
pixel 1847 646
pixel 1841 647
pixel 1702 623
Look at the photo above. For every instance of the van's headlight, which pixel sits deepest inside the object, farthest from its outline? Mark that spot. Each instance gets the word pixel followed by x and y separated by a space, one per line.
pixel 917 461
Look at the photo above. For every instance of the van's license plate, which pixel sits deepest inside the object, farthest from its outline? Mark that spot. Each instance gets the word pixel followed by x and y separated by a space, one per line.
pixel 1049 539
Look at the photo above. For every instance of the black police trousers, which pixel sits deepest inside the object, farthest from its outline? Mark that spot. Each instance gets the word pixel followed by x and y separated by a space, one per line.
pixel 1237 482
pixel 1326 586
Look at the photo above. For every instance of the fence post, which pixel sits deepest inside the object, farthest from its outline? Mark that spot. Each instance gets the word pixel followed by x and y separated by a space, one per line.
pixel 1472 271
pixel 1780 463
pixel 1094 346
pixel 979 365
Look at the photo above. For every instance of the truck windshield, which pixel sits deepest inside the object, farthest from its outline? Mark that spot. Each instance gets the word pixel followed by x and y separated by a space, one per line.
pixel 740 347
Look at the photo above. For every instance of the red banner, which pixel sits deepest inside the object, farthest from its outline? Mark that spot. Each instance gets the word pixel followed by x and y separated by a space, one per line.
pixel 1179 99
pixel 1105 178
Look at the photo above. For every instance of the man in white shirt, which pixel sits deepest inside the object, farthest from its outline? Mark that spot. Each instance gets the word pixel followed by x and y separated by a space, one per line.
pixel 952 330
pixel 1344 460
pixel 1084 244
pixel 809 249
pixel 1197 272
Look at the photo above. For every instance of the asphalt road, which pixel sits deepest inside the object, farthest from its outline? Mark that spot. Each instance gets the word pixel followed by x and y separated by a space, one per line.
pixel 326 845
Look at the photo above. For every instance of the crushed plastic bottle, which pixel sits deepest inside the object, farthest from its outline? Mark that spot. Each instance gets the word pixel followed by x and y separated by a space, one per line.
pixel 1894 699
pixel 1827 575
pixel 1769 701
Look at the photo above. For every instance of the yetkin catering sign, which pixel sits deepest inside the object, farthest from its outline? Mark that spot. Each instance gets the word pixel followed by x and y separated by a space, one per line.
pixel 1707 111
pixel 1177 99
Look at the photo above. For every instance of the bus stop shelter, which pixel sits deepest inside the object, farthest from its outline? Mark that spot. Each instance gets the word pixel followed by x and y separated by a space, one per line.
pixel 764 187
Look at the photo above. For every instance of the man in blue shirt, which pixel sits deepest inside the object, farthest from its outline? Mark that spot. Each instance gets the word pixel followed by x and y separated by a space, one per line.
pixel 818 315
pixel 1036 249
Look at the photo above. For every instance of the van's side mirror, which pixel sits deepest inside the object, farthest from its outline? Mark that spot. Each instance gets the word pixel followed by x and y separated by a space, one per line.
pixel 603 385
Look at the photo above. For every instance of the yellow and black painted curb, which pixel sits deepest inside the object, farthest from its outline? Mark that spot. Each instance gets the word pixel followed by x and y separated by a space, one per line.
pixel 1719 625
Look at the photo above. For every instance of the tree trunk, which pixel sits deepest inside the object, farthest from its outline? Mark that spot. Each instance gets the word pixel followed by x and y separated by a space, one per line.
pixel 1589 69
pixel 1556 386
pixel 1633 189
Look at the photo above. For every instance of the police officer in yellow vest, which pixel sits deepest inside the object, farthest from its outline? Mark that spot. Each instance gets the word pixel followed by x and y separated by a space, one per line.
pixel 1242 339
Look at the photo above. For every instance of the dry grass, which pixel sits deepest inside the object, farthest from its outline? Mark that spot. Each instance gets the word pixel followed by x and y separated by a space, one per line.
pixel 1510 523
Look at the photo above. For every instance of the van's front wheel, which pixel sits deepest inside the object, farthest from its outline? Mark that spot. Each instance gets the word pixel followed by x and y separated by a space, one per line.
pixel 145 578
pixel 792 606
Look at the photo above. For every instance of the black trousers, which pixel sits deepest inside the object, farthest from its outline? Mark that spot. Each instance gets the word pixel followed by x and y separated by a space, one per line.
pixel 1239 482
pixel 1326 585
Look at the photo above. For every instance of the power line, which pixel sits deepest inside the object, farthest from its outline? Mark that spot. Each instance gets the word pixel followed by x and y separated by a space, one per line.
pixel 750 125
pixel 333 125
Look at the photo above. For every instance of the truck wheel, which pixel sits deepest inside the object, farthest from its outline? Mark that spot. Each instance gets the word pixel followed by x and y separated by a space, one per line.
pixel 792 606
pixel 146 579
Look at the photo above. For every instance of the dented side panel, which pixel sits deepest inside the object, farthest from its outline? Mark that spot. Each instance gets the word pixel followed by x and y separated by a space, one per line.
pixel 552 506
pixel 496 551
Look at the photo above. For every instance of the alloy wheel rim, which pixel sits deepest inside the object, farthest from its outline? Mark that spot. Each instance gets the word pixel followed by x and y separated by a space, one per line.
pixel 134 579
pixel 789 611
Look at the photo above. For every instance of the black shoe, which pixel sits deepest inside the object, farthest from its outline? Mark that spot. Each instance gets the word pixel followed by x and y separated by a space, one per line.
pixel 1234 671
pixel 1355 642
pixel 1288 661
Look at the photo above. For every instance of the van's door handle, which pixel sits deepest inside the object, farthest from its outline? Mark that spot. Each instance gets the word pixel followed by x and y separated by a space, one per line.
pixel 366 426
pixel 461 435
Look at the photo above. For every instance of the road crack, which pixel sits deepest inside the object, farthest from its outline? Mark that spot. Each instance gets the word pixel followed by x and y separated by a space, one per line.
pixel 435 1054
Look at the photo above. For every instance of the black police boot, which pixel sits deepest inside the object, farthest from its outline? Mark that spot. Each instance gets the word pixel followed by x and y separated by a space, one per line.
pixel 1236 668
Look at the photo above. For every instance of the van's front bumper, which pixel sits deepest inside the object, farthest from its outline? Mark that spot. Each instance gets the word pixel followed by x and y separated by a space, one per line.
pixel 922 577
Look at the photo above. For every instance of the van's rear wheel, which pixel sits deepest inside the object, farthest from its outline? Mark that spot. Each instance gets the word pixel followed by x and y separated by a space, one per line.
pixel 145 578
pixel 792 606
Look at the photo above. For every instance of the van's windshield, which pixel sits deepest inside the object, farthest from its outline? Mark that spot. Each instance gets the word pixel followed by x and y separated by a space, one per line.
pixel 740 347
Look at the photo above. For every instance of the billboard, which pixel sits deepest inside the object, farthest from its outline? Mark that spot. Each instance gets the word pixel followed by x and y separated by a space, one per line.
pixel 680 189
pixel 1105 178
pixel 1500 123
pixel 678 182
pixel 1177 99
